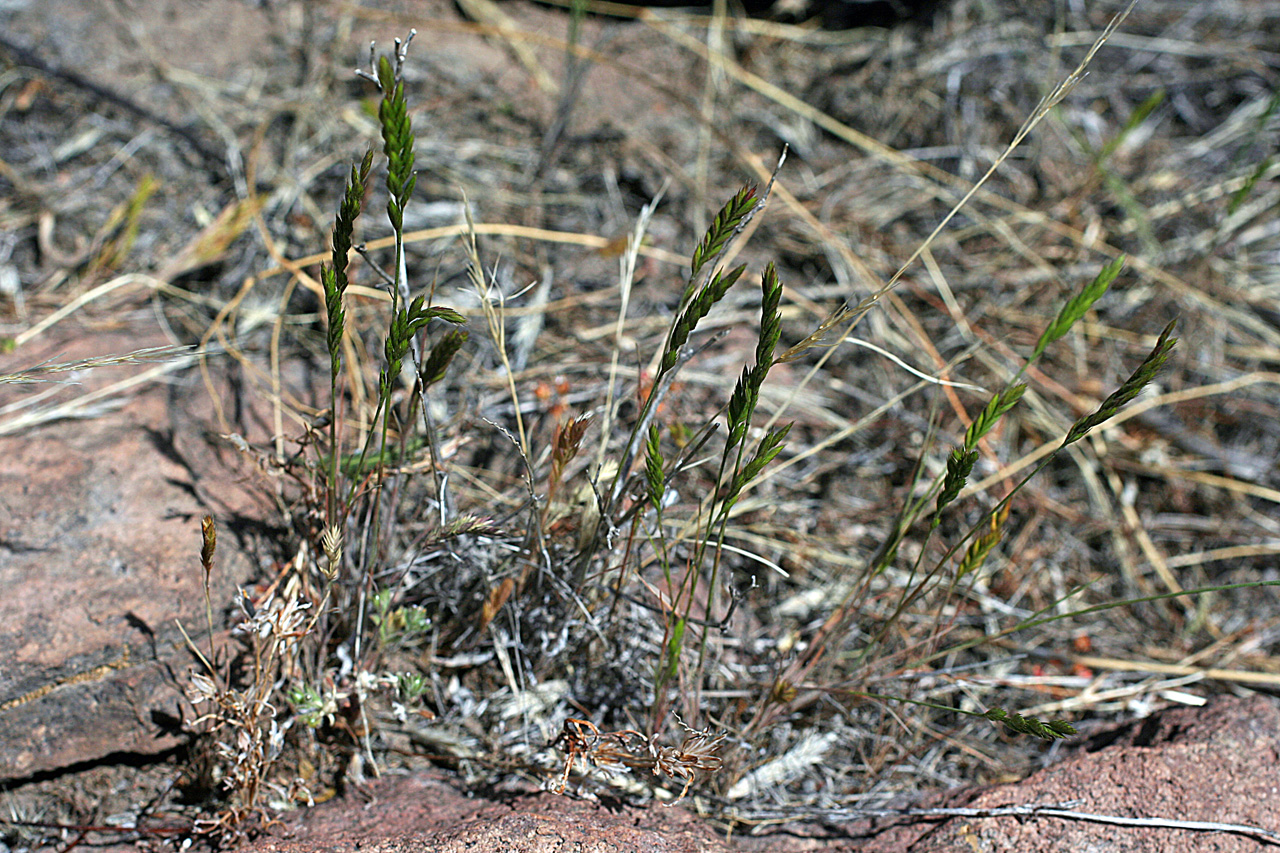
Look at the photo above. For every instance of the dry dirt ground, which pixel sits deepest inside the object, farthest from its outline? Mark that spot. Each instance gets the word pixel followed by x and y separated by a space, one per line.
pixel 168 176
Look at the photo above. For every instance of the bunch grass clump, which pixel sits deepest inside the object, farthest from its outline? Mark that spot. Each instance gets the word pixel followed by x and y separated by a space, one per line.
pixel 583 478
pixel 593 615
pixel 352 602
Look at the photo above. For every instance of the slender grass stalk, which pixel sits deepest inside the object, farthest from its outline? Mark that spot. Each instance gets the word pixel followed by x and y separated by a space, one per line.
pixel 741 411
pixel 738 463
pixel 948 485
pixel 1015 723
pixel 334 280
pixel 1037 619
pixel 410 317
pixel 707 285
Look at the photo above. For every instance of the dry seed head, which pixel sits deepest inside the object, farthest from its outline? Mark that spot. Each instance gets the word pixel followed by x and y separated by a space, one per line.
pixel 201 688
pixel 494 600
pixel 783 692
pixel 209 534
pixel 331 542
pixel 613 750
pixel 568 438
pixel 977 552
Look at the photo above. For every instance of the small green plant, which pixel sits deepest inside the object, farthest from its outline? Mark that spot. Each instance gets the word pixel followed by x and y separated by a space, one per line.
pixel 400 624
pixel 412 686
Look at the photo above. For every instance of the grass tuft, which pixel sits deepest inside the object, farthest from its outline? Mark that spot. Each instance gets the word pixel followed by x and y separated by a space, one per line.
pixel 635 545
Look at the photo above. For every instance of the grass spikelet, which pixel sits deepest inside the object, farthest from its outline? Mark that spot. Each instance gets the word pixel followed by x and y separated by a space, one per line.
pixel 977 552
pixel 1018 724
pixel 406 323
pixel 770 446
pixel 1077 306
pixel 726 223
pixel 697 308
pixel 698 300
pixel 331 544
pixel 565 445
pixel 568 441
pixel 333 278
pixel 436 364
pixel 397 134
pixel 1000 404
pixel 746 393
pixel 209 544
pixel 770 319
pixel 653 463
pixel 959 466
pixel 960 463
pixel 334 281
pixel 1131 388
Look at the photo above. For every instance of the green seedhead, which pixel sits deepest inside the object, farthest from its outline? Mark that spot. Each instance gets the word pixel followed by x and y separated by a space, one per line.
pixel 397 139
pixel 334 277
pixel 1077 306
pixel 1019 724
pixel 1131 388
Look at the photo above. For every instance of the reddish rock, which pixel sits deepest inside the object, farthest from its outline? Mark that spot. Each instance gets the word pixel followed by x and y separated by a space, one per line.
pixel 1219 763
pixel 99 557
pixel 425 814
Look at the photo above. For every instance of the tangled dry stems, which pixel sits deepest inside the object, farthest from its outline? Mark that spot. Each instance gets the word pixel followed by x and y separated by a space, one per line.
pixel 699 753
pixel 243 724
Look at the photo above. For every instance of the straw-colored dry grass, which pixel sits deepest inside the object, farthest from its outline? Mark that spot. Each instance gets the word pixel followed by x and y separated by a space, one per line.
pixel 1164 152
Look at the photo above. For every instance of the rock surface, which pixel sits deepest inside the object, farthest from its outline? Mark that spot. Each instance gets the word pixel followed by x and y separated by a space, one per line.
pixel 425 813
pixel 99 558
pixel 1214 764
